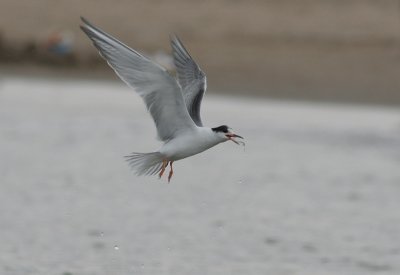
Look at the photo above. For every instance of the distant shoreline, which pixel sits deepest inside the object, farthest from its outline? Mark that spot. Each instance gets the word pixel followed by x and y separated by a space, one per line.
pixel 103 73
pixel 340 51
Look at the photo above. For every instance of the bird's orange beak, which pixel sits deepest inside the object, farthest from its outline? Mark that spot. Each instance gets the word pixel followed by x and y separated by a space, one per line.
pixel 231 136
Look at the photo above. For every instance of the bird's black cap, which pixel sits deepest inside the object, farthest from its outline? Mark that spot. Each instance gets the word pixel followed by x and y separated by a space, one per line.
pixel 223 129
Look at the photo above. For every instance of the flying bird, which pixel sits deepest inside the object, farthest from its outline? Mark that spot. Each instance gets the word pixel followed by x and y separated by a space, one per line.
pixel 174 103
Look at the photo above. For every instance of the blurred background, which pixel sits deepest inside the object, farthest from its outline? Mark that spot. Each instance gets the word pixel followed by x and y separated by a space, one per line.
pixel 312 85
pixel 314 49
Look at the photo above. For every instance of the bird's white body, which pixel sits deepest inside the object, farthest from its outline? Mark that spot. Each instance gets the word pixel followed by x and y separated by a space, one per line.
pixel 174 104
pixel 190 143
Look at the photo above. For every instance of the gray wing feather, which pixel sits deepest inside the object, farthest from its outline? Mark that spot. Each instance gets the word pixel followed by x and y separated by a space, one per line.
pixel 191 78
pixel 159 90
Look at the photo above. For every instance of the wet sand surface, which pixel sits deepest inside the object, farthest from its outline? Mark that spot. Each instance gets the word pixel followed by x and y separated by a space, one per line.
pixel 316 190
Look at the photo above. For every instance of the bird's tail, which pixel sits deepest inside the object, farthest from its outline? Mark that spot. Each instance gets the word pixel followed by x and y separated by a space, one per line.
pixel 145 163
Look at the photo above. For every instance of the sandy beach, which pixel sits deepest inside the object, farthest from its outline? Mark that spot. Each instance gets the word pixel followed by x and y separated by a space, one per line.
pixel 314 192
pixel 343 51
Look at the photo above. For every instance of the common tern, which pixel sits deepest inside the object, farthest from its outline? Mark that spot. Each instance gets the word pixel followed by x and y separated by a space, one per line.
pixel 174 104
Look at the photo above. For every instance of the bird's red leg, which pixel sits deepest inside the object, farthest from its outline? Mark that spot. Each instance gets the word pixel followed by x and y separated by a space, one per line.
pixel 171 172
pixel 164 165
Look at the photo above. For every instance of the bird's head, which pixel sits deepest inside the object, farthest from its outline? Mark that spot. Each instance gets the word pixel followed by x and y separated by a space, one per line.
pixel 225 133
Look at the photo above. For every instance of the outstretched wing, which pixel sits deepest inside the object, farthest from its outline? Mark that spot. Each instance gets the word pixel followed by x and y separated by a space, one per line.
pixel 191 78
pixel 159 90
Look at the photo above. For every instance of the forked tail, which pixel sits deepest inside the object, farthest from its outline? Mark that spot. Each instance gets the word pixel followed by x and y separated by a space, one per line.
pixel 145 163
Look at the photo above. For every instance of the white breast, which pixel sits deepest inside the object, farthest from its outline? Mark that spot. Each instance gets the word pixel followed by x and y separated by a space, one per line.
pixel 189 144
